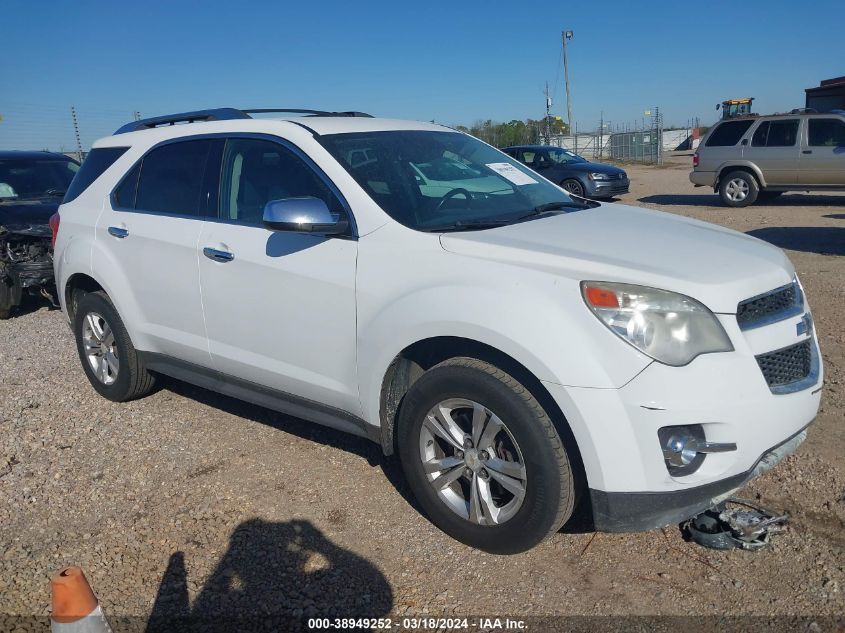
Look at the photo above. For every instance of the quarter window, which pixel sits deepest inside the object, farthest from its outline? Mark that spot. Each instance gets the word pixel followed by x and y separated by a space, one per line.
pixel 826 133
pixel 728 134
pixel 124 195
pixel 171 179
pixel 777 133
pixel 97 161
pixel 256 172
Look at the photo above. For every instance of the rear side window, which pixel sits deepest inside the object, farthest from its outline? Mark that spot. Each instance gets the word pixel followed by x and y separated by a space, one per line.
pixel 778 133
pixel 171 179
pixel 826 133
pixel 728 133
pixel 97 161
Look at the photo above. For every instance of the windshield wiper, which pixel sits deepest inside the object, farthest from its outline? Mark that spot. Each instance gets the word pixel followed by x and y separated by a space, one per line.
pixel 471 225
pixel 555 206
pixel 55 192
pixel 536 212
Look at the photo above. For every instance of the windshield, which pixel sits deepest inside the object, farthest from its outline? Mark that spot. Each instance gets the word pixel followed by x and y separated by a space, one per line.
pixel 23 178
pixel 443 180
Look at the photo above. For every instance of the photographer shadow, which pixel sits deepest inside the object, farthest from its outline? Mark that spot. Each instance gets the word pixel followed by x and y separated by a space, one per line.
pixel 273 577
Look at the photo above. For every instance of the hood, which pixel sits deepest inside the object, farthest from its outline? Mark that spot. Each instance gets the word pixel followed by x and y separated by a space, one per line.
pixel 615 242
pixel 28 212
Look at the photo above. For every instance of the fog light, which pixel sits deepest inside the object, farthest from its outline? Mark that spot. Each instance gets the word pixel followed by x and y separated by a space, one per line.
pixel 685 447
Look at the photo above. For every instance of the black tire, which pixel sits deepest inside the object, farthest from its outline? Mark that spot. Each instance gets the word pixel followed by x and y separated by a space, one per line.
pixel 549 491
pixel 573 186
pixel 768 196
pixel 738 189
pixel 132 379
pixel 10 296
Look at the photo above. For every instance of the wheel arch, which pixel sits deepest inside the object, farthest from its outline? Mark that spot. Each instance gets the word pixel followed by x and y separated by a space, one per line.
pixel 415 359
pixel 76 286
pixel 744 166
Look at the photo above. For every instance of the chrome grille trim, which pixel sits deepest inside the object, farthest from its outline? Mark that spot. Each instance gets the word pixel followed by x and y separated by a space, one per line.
pixel 770 307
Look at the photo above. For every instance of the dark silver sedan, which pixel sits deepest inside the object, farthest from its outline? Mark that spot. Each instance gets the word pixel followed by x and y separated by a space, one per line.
pixel 575 174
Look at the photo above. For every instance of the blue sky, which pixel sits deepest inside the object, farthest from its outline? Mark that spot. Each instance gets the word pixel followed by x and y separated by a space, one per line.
pixel 455 62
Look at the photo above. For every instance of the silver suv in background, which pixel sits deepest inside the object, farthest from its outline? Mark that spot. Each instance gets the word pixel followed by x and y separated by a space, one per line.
pixel 758 158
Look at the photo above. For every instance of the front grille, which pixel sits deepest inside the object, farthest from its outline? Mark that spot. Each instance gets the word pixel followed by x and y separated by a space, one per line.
pixel 776 305
pixel 788 365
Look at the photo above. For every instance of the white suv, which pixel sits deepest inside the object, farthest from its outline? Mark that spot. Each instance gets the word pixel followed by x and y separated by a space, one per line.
pixel 524 353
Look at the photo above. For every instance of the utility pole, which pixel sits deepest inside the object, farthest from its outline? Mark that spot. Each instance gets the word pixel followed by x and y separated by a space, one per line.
pixel 548 115
pixel 76 131
pixel 567 35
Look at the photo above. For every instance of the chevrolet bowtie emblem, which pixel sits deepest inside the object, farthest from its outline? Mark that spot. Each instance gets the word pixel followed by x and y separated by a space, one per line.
pixel 805 325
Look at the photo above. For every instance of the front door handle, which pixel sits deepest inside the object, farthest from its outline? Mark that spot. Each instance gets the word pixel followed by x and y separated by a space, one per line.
pixel 807 151
pixel 217 255
pixel 118 231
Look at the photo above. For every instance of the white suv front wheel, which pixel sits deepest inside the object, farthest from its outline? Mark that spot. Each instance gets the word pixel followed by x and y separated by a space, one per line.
pixel 483 458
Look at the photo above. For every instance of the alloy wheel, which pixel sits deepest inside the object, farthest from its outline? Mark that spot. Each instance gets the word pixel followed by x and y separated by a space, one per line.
pixel 573 187
pixel 100 348
pixel 472 461
pixel 737 190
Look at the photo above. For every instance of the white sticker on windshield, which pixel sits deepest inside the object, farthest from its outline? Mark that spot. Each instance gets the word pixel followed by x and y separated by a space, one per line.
pixel 506 170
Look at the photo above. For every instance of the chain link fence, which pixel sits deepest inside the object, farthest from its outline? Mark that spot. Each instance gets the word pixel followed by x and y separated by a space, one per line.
pixel 643 141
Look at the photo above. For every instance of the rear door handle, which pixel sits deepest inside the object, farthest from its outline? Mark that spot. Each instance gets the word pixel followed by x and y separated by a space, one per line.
pixel 807 151
pixel 118 231
pixel 217 255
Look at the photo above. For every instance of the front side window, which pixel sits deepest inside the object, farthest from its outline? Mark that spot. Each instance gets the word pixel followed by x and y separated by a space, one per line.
pixel 255 172
pixel 826 133
pixel 727 134
pixel 34 178
pixel 171 179
pixel 473 186
pixel 563 156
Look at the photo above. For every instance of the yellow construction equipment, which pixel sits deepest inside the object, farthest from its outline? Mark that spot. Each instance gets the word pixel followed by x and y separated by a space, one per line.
pixel 735 107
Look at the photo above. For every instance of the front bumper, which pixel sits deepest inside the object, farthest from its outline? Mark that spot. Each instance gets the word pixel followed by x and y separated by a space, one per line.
pixel 641 511
pixel 617 429
pixel 606 188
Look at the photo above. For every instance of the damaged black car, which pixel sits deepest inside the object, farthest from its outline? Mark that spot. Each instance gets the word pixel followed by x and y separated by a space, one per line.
pixel 32 185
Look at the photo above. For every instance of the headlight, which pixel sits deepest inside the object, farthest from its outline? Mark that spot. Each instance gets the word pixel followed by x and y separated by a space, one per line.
pixel 598 176
pixel 670 327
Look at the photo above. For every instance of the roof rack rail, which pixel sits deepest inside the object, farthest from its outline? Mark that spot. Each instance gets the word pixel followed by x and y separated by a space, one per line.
pixel 308 112
pixel 223 114
pixel 218 114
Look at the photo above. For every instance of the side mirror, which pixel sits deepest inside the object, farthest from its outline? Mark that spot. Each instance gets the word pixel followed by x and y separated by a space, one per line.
pixel 303 215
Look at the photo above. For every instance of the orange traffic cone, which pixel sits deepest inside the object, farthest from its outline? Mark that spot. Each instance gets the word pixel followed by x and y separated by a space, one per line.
pixel 75 608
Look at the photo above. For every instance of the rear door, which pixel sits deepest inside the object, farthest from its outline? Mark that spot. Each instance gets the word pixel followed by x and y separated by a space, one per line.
pixel 279 306
pixel 150 227
pixel 823 152
pixel 775 150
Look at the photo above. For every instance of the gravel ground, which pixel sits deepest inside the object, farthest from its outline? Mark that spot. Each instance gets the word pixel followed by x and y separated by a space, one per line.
pixel 187 502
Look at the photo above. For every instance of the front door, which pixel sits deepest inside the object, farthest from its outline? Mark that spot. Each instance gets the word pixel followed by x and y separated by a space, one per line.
pixel 279 306
pixel 775 150
pixel 823 154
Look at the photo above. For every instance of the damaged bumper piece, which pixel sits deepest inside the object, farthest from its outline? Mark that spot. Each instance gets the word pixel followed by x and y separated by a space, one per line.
pixel 640 511
pixel 26 265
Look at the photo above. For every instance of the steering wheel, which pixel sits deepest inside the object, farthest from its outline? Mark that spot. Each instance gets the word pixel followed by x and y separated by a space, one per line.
pixel 451 194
